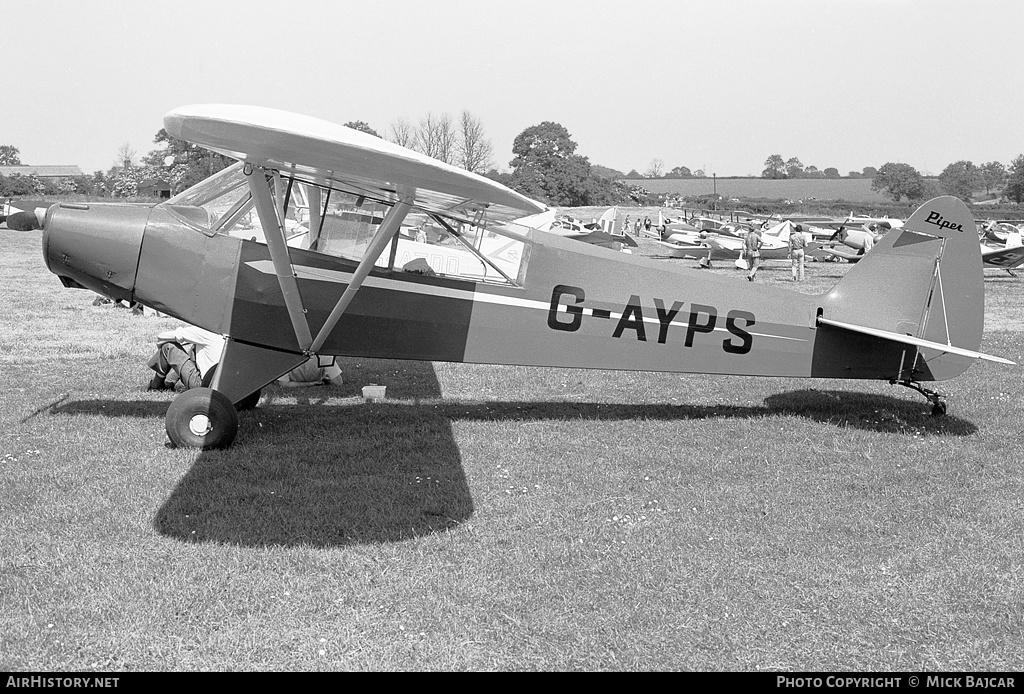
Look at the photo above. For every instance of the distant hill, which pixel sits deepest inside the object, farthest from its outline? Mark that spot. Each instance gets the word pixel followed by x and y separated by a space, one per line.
pixel 851 189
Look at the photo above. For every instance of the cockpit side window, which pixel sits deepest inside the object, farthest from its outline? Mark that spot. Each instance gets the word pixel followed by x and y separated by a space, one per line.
pixel 342 224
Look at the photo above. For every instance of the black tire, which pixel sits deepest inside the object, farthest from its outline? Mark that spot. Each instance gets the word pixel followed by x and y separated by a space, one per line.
pixel 249 402
pixel 202 418
pixel 939 409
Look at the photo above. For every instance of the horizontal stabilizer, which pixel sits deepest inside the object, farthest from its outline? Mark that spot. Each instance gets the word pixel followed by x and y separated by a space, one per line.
pixel 916 341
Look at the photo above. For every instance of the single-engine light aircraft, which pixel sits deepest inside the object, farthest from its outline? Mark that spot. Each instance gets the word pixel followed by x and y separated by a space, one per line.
pixel 910 313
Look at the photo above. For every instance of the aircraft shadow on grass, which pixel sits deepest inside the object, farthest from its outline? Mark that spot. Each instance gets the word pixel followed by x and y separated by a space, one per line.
pixel 324 475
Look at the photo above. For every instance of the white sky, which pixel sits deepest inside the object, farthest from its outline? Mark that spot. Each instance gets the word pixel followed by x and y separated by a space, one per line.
pixel 718 85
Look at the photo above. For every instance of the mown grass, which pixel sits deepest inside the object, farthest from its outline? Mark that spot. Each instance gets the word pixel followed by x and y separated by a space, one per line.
pixel 501 518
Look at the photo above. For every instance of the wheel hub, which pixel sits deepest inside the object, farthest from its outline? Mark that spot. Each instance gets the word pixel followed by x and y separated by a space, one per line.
pixel 200 425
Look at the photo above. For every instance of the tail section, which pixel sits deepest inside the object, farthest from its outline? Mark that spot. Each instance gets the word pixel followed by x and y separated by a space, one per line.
pixel 608 220
pixel 921 285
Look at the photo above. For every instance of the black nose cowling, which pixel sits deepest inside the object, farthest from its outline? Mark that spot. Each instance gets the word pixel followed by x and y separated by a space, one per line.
pixel 95 246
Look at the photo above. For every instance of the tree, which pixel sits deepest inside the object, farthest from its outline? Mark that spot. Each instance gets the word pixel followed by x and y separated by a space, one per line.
pixel 362 127
pixel 774 167
pixel 16 185
pixel 10 155
pixel 654 168
pixel 869 172
pixel 830 172
pixel 679 172
pixel 1015 180
pixel 545 167
pixel 542 142
pixel 898 181
pixel 993 175
pixel 473 149
pixel 605 172
pixel 126 182
pixel 436 137
pixel 961 178
pixel 177 162
pixel 794 169
pixel 125 156
pixel 402 133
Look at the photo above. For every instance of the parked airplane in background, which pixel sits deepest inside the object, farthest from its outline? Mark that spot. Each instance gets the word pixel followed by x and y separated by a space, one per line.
pixel 999 232
pixel 1007 255
pixel 600 232
pixel 555 303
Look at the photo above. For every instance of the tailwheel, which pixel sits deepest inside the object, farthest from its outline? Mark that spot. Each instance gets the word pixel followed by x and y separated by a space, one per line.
pixel 202 418
pixel 938 404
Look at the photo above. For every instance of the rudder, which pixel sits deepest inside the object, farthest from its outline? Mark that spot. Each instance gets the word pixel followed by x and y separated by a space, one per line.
pixel 923 280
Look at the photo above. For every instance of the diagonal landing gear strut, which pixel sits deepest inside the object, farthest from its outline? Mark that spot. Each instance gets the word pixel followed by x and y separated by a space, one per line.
pixel 938 405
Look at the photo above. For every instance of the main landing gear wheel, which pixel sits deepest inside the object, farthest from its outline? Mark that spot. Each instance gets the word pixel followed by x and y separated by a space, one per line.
pixel 202 418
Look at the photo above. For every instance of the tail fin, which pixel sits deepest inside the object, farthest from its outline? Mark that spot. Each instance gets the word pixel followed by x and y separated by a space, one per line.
pixel 923 280
pixel 608 220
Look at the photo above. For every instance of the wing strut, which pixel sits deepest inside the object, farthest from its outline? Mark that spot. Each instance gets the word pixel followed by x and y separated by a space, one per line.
pixel 273 231
pixel 388 229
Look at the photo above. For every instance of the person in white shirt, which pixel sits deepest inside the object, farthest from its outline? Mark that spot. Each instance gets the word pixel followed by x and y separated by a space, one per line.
pixel 797 251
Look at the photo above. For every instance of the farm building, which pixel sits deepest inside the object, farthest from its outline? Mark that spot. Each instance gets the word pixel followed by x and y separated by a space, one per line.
pixel 154 187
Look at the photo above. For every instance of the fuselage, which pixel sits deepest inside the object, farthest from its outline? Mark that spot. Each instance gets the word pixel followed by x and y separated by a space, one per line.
pixel 576 305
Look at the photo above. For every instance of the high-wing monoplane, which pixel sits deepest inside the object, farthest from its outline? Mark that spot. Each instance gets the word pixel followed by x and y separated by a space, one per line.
pixel 910 313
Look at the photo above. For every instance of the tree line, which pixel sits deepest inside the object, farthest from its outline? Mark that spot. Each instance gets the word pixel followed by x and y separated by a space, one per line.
pixel 962 179
pixel 896 181
pixel 545 166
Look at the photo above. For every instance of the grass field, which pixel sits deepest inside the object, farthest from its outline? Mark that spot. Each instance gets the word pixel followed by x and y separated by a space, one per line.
pixel 502 518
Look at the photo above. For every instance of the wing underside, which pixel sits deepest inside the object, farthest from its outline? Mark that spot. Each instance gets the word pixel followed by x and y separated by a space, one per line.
pixel 341 158
pixel 1005 258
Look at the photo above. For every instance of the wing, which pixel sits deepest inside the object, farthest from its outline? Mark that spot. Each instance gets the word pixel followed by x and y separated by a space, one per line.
pixel 603 238
pixel 355 162
pixel 851 257
pixel 724 243
pixel 682 250
pixel 1005 258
